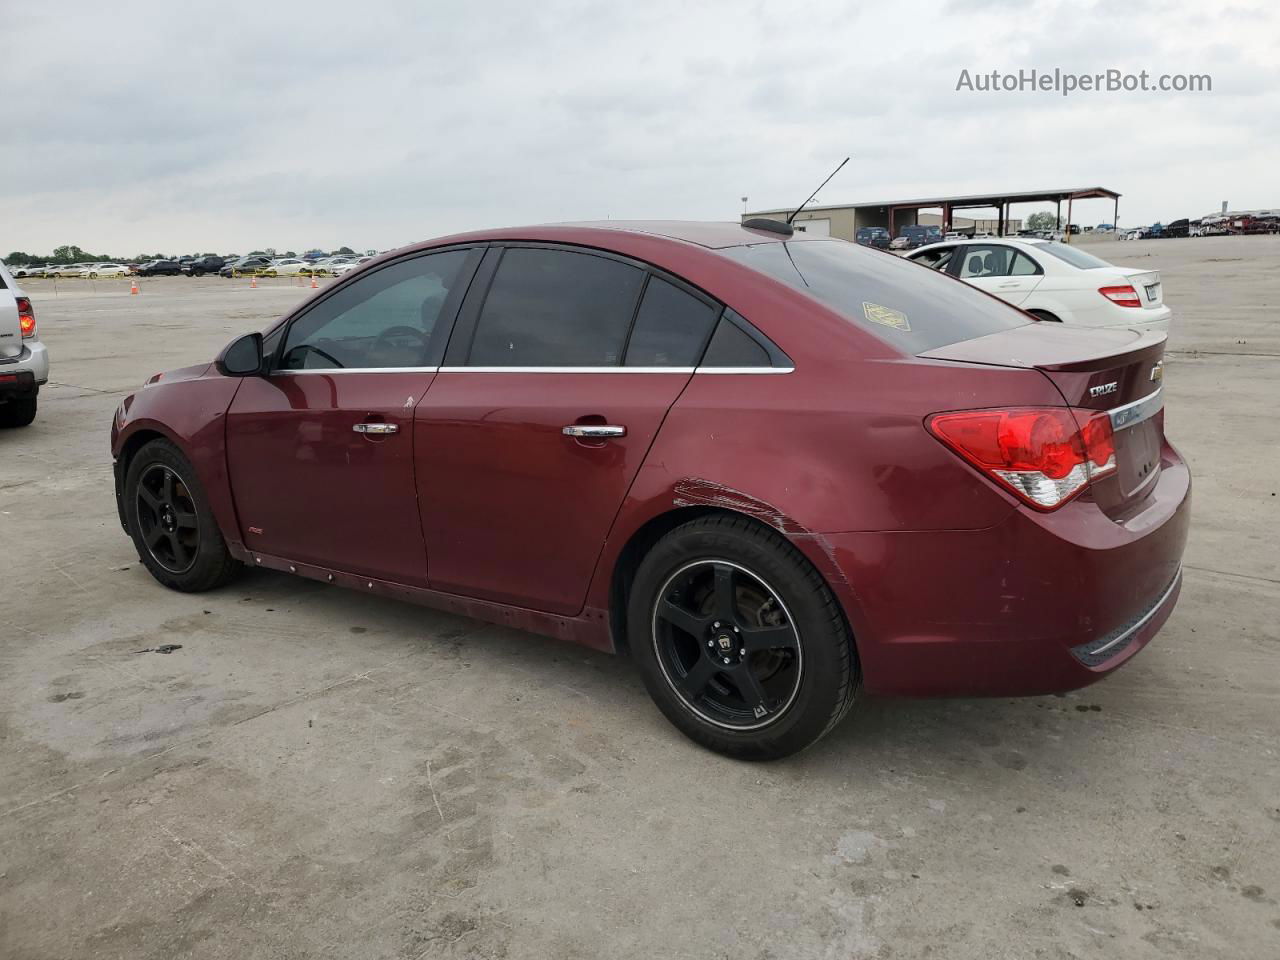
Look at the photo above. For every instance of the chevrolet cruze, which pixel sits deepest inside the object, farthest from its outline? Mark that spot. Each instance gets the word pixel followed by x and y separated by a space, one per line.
pixel 775 470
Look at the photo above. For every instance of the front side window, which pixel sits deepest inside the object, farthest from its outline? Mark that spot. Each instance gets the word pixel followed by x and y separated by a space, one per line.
pixel 556 308
pixel 936 258
pixel 671 327
pixel 385 319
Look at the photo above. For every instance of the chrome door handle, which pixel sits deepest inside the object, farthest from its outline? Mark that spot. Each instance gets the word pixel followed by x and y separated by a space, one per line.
pixel 380 428
pixel 594 431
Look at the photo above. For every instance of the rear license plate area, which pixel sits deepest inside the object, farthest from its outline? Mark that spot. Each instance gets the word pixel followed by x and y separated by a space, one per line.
pixel 1137 454
pixel 1153 292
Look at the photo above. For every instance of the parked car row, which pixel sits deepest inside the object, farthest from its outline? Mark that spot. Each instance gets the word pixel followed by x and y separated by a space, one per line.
pixel 256 265
pixel 259 266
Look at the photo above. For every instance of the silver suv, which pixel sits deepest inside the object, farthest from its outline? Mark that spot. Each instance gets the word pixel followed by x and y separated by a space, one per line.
pixel 24 362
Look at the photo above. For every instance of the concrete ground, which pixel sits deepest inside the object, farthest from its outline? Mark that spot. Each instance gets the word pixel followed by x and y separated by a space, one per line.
pixel 321 773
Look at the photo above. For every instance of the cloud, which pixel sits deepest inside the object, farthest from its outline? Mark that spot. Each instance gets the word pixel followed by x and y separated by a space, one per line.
pixel 144 126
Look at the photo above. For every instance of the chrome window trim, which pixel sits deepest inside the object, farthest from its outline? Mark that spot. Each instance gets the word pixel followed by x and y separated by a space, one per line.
pixel 310 370
pixel 752 370
pixel 1138 411
pixel 1155 608
pixel 684 370
pixel 681 370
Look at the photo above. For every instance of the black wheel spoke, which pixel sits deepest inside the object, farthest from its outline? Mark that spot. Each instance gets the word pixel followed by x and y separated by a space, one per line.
pixel 181 551
pixel 676 615
pixel 148 498
pixel 186 518
pixel 749 687
pixel 755 639
pixel 166 489
pixel 154 536
pixel 726 598
pixel 695 681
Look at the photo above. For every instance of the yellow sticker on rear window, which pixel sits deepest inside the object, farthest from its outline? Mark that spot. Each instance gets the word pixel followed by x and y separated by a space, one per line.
pixel 885 316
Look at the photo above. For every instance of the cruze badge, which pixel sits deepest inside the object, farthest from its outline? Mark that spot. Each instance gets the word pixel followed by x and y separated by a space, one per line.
pixel 1102 389
pixel 1157 372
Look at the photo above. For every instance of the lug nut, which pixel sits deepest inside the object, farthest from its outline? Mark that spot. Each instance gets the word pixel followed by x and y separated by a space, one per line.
pixel 711 643
pixel 742 652
pixel 726 660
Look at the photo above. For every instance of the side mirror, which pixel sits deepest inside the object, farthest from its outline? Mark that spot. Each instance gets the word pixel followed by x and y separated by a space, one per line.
pixel 242 357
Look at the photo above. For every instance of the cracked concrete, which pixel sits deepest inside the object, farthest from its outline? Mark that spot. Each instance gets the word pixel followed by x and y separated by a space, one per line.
pixel 322 773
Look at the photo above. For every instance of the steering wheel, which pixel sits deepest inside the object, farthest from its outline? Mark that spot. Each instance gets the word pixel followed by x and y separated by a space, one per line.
pixel 383 341
pixel 308 348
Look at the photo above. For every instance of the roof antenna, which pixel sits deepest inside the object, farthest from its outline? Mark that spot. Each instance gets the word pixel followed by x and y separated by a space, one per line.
pixel 815 193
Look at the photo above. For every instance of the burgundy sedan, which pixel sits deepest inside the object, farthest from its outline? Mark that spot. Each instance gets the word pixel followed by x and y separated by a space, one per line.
pixel 772 469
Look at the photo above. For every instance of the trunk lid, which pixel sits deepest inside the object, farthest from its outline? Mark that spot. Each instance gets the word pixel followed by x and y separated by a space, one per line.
pixel 1147 283
pixel 1117 371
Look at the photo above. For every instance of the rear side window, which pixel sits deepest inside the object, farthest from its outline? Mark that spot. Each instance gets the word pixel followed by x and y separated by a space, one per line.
pixel 1024 266
pixel 980 260
pixel 555 308
pixel 913 309
pixel 732 346
pixel 671 327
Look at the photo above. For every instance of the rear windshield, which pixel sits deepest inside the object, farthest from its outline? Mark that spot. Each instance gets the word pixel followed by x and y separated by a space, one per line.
pixel 1077 258
pixel 910 306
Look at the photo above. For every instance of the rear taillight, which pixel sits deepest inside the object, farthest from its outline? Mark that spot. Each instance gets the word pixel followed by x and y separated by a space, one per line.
pixel 26 317
pixel 1044 455
pixel 1124 296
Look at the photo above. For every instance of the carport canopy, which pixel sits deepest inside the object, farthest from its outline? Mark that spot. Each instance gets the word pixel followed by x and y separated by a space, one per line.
pixel 999 201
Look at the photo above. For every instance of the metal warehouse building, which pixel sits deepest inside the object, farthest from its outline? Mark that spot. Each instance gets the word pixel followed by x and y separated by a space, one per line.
pixel 844 220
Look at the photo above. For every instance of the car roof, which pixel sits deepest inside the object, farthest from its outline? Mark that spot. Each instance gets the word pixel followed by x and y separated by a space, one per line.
pixel 984 241
pixel 713 235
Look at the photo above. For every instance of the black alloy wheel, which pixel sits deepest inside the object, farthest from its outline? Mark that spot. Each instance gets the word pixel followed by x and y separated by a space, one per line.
pixel 167 519
pixel 727 645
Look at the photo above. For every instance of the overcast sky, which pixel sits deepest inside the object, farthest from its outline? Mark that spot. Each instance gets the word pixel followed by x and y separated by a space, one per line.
pixel 227 126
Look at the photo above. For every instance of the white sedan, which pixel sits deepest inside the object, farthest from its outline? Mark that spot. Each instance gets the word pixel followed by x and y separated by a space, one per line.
pixel 95 271
pixel 1054 281
pixel 285 267
pixel 341 268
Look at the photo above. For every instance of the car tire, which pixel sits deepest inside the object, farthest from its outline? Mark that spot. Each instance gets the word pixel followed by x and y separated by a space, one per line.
pixel 720 581
pixel 1045 315
pixel 18 413
pixel 93 276
pixel 186 551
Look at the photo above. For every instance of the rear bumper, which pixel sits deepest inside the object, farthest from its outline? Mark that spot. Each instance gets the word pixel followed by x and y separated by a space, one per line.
pixel 1039 603
pixel 23 375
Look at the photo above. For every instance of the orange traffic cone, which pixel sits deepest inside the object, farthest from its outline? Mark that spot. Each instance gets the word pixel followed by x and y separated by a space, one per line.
pixel 133 288
pixel 314 285
pixel 253 283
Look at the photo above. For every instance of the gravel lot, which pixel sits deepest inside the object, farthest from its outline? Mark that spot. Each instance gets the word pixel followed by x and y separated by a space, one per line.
pixel 321 773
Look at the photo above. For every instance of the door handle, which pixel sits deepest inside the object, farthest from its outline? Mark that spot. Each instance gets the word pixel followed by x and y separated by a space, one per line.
pixel 379 428
pixel 594 431
pixel 1010 284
